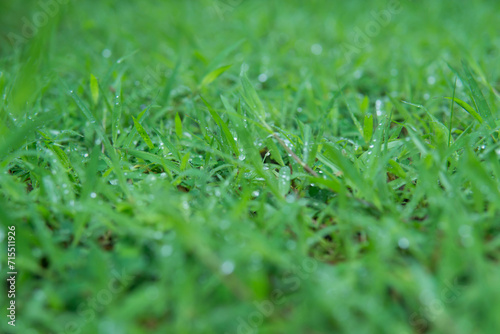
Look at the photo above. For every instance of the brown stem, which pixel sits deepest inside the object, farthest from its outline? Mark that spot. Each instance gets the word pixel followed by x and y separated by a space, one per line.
pixel 294 156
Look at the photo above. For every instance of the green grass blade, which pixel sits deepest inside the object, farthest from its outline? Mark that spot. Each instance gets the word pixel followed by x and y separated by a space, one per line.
pixel 144 135
pixel 165 163
pixel 252 98
pixel 223 126
pixel 478 97
pixel 178 126
pixel 368 128
pixel 284 180
pixel 94 89
pixel 467 108
pixel 210 77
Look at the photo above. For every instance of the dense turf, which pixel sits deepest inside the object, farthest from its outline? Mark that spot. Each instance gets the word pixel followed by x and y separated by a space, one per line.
pixel 251 166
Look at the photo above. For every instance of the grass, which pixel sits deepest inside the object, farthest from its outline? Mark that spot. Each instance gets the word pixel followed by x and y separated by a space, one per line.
pixel 251 166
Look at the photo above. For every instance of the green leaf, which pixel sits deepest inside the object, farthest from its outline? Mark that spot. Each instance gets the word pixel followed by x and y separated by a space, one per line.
pixel 480 176
pixel 223 126
pixel 61 155
pixel 284 180
pixel 144 135
pixel 94 89
pixel 354 119
pixel 365 104
pixel 116 115
pixel 467 108
pixel 13 140
pixel 441 132
pixel 170 146
pixel 275 153
pixel 478 97
pixel 396 169
pixel 185 161
pixel 129 138
pixel 368 128
pixel 333 183
pixel 335 158
pixel 178 125
pixel 210 77
pixel 252 99
pixel 165 163
pixel 316 146
pixel 306 141
pixel 143 112
pixel 452 112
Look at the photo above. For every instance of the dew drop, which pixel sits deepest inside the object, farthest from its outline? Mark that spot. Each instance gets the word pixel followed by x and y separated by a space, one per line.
pixel 166 250
pixel 316 49
pixel 262 77
pixel 403 243
pixel 227 267
pixel 106 53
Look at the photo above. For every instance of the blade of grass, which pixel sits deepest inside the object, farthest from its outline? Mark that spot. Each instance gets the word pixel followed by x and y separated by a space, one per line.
pixel 223 126
pixel 467 108
pixel 144 135
pixel 452 111
pixel 478 97
pixel 210 77
pixel 94 89
pixel 178 126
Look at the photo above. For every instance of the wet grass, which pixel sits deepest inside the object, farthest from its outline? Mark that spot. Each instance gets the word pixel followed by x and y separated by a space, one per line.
pixel 251 167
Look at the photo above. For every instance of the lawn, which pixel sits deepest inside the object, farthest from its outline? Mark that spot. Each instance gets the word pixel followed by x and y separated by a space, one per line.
pixel 250 166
